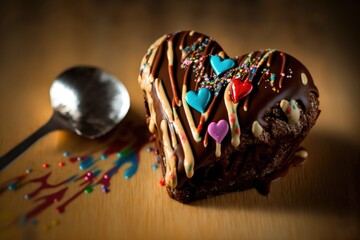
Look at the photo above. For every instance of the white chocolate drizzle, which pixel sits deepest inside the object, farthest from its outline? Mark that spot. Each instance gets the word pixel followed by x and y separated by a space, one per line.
pixel 146 86
pixel 301 153
pixel 221 54
pixel 173 135
pixel 218 149
pixel 170 57
pixel 267 54
pixel 171 159
pixel 146 80
pixel 231 108
pixel 304 78
pixel 291 110
pixel 256 129
pixel 170 53
pixel 163 100
pixel 172 116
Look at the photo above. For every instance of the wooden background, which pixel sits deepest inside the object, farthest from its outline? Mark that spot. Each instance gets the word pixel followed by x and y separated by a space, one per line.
pixel 39 39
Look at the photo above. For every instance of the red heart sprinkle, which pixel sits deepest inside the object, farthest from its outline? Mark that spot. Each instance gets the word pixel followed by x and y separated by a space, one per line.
pixel 239 89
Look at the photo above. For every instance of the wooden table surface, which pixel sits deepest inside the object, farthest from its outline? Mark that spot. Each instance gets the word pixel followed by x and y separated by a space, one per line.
pixel 39 39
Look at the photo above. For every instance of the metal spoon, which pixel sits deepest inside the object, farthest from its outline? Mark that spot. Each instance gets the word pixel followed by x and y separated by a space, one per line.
pixel 86 100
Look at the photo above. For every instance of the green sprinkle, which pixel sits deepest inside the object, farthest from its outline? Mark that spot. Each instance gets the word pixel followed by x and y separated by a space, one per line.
pixel 88 190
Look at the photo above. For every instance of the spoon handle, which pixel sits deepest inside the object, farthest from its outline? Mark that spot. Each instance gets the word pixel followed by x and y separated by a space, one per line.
pixel 26 143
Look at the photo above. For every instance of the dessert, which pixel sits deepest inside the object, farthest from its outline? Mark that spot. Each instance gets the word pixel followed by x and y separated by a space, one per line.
pixel 224 124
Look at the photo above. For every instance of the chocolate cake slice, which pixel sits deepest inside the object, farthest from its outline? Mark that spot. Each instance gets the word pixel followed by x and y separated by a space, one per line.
pixel 224 124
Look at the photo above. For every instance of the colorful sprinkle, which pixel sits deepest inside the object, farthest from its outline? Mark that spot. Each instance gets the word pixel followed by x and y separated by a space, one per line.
pixel 29 170
pixel 61 164
pixel 66 154
pixel 232 117
pixel 105 189
pixel 85 164
pixel 45 165
pixel 12 187
pixel 162 182
pixel 127 152
pixel 152 138
pixel 88 176
pixel 60 210
pixel 34 222
pixel 154 166
pixel 103 156
pixel 88 190
pixel 54 222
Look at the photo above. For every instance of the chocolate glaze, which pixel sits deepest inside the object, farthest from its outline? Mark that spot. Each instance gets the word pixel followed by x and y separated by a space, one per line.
pixel 260 105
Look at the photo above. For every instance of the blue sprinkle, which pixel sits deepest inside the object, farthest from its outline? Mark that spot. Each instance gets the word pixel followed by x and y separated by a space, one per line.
pixel 12 186
pixel 105 189
pixel 22 220
pixel 34 222
pixel 96 173
pixel 252 73
pixel 158 159
pixel 103 156
pixel 66 154
pixel 154 166
pixel 86 163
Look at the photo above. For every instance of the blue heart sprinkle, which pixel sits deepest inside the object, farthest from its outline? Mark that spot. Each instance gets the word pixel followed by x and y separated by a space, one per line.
pixel 220 66
pixel 198 100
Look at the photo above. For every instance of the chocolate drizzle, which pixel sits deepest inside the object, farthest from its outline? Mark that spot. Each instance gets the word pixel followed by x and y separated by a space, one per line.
pixel 181 62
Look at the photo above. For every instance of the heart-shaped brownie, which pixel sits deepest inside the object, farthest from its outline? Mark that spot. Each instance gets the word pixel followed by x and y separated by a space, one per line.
pixel 193 89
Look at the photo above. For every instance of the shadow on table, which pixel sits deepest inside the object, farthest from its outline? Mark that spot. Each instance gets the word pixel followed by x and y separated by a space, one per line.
pixel 328 182
pixel 133 126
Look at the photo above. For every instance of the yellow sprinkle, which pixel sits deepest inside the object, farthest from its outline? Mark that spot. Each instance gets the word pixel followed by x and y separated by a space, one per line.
pixel 54 222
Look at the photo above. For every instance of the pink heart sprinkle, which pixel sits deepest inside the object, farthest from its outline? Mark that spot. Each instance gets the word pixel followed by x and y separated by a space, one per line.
pixel 218 130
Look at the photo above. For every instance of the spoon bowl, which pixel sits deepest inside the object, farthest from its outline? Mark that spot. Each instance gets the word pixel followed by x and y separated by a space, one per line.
pixel 86 100
pixel 91 101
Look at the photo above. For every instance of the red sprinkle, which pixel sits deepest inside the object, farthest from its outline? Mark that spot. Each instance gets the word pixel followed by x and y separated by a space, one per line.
pixel 162 182
pixel 232 118
pixel 172 176
pixel 59 210
pixel 152 138
pixel 61 164
pixel 288 110
pixel 45 165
